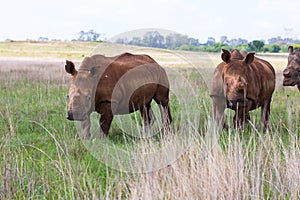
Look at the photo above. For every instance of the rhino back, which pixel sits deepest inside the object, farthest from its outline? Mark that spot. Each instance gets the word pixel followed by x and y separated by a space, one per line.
pixel 126 73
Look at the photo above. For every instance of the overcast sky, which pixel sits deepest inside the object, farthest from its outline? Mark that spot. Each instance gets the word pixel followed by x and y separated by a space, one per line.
pixel 63 19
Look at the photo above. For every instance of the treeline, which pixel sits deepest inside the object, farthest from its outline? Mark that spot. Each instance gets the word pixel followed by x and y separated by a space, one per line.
pixel 90 35
pixel 255 45
pixel 83 36
pixel 183 42
pixel 155 39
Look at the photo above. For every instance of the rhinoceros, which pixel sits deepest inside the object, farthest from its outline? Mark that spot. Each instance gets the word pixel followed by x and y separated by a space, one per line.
pixel 116 85
pixel 292 72
pixel 242 82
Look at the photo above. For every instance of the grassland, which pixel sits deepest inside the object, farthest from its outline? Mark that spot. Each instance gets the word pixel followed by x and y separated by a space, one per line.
pixel 42 158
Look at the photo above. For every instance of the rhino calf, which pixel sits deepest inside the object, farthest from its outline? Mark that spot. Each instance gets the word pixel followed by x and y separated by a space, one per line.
pixel 291 73
pixel 116 85
pixel 242 82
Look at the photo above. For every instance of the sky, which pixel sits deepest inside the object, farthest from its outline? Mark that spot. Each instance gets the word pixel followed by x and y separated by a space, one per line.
pixel 63 19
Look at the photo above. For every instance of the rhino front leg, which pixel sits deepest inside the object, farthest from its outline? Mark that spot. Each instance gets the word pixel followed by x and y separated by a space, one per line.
pixel 165 114
pixel 147 115
pixel 85 129
pixel 162 99
pixel 166 118
pixel 219 105
pixel 241 117
pixel 105 120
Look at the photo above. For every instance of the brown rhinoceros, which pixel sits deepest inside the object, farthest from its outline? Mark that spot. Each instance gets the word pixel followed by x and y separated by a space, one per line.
pixel 292 72
pixel 242 82
pixel 116 85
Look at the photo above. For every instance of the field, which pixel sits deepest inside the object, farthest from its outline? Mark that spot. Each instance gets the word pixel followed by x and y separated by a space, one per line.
pixel 42 157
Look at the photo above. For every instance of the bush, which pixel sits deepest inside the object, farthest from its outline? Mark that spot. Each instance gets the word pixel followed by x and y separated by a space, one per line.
pixel 275 48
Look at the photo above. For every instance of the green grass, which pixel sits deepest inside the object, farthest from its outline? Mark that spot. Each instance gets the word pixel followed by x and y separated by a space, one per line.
pixel 41 152
pixel 41 156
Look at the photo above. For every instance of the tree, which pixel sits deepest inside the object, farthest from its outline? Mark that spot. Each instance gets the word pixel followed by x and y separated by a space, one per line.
pixel 224 39
pixel 81 36
pixel 136 41
pixel 237 42
pixel 95 36
pixel 175 40
pixel 210 41
pixel 218 46
pixel 153 39
pixel 193 41
pixel 256 45
pixel 275 48
pixel 90 35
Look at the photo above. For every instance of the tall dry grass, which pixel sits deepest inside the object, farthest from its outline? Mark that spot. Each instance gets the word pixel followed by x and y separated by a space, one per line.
pixel 212 166
pixel 195 164
pixel 261 166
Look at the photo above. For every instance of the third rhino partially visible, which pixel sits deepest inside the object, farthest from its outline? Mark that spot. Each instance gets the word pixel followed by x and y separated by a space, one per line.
pixel 292 72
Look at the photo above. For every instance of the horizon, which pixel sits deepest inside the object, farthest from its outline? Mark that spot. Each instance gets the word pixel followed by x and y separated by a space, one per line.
pixel 137 33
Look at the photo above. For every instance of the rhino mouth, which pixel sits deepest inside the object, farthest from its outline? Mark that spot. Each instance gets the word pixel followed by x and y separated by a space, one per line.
pixel 76 116
pixel 288 82
pixel 236 103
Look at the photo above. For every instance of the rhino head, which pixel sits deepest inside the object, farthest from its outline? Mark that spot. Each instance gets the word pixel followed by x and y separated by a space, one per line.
pixel 291 73
pixel 235 77
pixel 81 92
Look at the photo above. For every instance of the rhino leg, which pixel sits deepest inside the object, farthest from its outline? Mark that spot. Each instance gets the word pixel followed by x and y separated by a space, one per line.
pixel 241 116
pixel 105 119
pixel 219 105
pixel 265 114
pixel 147 115
pixel 162 99
pixel 166 117
pixel 85 128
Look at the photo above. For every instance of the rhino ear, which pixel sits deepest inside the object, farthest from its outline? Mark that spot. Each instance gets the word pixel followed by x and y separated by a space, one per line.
pixel 226 55
pixel 249 58
pixel 291 49
pixel 70 67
